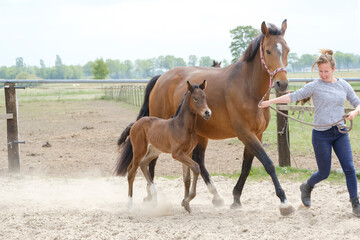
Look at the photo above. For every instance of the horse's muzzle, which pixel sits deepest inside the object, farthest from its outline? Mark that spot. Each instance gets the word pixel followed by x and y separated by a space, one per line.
pixel 207 114
pixel 281 86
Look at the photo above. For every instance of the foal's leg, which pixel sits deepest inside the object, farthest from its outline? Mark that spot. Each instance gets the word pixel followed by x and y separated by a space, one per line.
pixel 139 151
pixel 246 167
pixel 199 157
pixel 186 179
pixel 151 190
pixel 253 144
pixel 183 158
pixel 131 177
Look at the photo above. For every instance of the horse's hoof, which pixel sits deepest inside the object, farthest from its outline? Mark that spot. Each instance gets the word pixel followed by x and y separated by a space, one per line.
pixel 186 206
pixel 217 201
pixel 286 209
pixel 235 205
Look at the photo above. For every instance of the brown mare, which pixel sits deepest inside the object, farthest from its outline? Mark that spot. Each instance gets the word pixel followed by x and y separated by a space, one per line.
pixel 151 136
pixel 216 64
pixel 233 94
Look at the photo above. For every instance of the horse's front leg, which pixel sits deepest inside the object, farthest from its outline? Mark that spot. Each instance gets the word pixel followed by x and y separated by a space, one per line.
pixel 198 156
pixel 191 164
pixel 253 144
pixel 186 180
pixel 245 170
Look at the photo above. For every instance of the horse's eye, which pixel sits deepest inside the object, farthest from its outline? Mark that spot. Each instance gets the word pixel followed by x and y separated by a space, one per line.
pixel 268 52
pixel 195 99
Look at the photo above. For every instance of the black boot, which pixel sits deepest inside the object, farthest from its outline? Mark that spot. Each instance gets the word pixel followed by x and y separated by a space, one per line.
pixel 305 193
pixel 355 206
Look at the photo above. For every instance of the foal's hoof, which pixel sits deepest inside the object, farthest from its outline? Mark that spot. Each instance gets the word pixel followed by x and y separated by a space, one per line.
pixel 186 206
pixel 235 205
pixel 286 209
pixel 217 201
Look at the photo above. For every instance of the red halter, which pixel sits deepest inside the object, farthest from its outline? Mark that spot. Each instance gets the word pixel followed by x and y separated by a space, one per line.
pixel 272 74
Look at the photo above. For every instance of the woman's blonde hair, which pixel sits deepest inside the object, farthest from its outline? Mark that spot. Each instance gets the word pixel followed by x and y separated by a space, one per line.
pixel 326 56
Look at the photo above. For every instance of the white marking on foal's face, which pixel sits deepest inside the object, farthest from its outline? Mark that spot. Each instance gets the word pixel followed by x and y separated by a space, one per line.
pixel 279 47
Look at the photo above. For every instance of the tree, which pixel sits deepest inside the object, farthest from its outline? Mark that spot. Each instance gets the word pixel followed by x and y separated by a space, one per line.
pixel 179 62
pixel 306 61
pixel 192 60
pixel 20 65
pixel 87 69
pixel 114 67
pixel 293 60
pixel 99 69
pixel 242 36
pixel 59 68
pixel 224 63
pixel 205 61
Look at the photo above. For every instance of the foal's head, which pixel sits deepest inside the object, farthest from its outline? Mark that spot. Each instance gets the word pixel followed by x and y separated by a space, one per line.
pixel 198 102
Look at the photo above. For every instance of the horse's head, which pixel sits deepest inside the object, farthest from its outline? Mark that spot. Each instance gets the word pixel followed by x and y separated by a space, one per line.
pixel 216 64
pixel 273 53
pixel 198 102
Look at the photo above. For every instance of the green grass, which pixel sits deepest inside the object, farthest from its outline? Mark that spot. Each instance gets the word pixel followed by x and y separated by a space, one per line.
pixel 286 173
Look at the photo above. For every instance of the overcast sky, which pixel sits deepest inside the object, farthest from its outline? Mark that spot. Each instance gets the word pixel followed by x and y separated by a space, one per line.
pixel 84 30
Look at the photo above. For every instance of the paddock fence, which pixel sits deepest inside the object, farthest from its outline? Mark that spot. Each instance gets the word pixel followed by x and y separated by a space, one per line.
pixel 132 92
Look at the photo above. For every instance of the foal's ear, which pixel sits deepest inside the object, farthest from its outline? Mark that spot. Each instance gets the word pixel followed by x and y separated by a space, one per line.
pixel 203 85
pixel 283 27
pixel 190 87
pixel 264 29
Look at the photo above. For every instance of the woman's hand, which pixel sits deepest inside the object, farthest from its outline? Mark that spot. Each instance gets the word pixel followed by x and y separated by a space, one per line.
pixel 264 104
pixel 352 114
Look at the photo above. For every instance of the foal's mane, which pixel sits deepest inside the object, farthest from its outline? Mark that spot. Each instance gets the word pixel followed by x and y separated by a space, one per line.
pixel 182 101
pixel 251 50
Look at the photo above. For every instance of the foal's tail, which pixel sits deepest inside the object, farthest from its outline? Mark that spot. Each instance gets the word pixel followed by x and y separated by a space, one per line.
pixel 125 157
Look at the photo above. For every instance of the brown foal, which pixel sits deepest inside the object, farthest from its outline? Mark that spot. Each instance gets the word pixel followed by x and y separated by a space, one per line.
pixel 151 136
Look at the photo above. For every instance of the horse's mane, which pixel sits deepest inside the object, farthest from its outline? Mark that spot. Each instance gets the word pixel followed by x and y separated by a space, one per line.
pixel 251 50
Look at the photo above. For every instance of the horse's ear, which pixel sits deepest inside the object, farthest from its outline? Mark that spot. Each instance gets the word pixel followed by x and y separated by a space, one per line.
pixel 213 62
pixel 264 29
pixel 190 87
pixel 203 85
pixel 283 27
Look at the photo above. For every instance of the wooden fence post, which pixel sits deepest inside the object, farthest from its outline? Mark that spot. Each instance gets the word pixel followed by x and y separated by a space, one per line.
pixel 283 138
pixel 12 128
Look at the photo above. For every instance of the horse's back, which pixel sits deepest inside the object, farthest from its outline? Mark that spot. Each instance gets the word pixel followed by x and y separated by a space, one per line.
pixel 170 87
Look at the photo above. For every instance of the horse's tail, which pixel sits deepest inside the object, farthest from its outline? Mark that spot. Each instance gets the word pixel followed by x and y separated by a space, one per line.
pixel 125 157
pixel 124 135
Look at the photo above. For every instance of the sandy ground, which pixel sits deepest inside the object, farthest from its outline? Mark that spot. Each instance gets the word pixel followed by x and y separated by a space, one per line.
pixel 66 189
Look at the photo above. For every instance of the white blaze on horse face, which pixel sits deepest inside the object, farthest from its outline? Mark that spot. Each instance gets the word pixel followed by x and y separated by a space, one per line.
pixel 279 47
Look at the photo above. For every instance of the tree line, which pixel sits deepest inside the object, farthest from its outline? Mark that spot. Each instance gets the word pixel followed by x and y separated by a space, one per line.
pixel 147 68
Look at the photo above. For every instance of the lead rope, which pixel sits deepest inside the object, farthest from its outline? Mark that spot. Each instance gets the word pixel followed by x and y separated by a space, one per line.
pixel 272 74
pixel 347 129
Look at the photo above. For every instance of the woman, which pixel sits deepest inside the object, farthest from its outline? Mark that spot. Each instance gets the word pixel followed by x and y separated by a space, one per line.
pixel 329 95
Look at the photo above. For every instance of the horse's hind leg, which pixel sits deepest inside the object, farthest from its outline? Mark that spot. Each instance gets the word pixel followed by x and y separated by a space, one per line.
pixel 199 157
pixel 152 165
pixel 246 167
pixel 152 153
pixel 139 150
